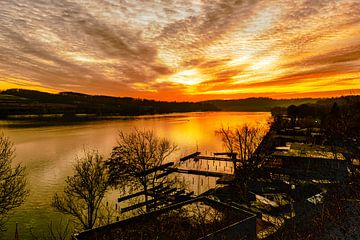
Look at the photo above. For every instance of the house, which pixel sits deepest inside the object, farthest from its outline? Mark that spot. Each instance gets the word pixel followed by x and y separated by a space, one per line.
pixel 310 161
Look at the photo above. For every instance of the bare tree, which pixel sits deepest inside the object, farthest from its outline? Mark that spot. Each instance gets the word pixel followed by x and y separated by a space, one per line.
pixel 137 160
pixel 243 142
pixel 85 190
pixel 13 189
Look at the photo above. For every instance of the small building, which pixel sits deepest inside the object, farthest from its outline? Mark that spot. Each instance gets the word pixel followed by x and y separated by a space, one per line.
pixel 199 218
pixel 310 161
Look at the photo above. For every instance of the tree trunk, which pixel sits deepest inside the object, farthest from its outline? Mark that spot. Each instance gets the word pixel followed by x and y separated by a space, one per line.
pixel 146 197
pixel 234 162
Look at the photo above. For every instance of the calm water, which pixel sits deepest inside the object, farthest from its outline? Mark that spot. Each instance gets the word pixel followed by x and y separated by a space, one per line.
pixel 48 153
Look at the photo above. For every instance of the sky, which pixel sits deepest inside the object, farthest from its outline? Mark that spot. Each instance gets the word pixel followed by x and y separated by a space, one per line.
pixel 182 50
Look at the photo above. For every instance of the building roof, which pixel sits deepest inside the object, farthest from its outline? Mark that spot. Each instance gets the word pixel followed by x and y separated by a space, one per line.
pixel 308 151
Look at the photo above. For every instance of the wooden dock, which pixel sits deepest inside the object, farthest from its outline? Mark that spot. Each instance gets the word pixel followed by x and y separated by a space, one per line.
pixel 199 172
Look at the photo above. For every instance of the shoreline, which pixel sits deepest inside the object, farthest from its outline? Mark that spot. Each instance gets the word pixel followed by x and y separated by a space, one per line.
pixel 58 119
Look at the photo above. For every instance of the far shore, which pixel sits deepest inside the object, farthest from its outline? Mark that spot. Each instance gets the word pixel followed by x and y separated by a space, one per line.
pixel 38 120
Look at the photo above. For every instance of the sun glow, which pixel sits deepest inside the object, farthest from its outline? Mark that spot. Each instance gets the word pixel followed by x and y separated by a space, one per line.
pixel 188 77
pixel 183 49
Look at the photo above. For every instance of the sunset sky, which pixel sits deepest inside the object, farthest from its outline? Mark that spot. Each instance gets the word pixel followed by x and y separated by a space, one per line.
pixel 182 49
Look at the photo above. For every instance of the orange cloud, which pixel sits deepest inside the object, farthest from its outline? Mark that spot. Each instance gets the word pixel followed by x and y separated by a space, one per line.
pixel 182 50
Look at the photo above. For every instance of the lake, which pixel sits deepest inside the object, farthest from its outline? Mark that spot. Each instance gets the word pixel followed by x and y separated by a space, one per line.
pixel 49 152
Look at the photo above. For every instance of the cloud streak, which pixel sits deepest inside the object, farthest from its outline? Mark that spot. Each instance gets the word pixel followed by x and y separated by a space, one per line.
pixel 182 50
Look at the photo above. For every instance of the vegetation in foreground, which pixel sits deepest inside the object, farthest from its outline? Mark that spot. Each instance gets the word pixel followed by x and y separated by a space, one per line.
pixel 13 191
pixel 84 191
pixel 241 143
pixel 134 159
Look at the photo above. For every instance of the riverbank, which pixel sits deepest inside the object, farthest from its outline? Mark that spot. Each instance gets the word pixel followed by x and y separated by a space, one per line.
pixel 24 104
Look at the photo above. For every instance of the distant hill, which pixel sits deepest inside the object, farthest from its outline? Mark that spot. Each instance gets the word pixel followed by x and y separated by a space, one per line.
pixel 323 107
pixel 69 104
pixel 257 104
pixel 29 102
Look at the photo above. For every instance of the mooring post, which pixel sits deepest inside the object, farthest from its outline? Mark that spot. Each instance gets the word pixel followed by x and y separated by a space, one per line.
pixel 16 232
pixel 233 157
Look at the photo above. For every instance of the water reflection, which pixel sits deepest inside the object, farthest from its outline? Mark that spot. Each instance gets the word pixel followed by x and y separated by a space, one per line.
pixel 48 153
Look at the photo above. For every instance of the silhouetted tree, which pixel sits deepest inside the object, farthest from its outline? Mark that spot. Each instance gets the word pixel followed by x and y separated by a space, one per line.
pixel 13 189
pixel 292 113
pixel 136 159
pixel 243 141
pixel 85 190
pixel 304 110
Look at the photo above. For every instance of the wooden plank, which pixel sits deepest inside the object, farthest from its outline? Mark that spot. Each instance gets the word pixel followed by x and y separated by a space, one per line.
pixel 120 199
pixel 161 167
pixel 164 198
pixel 217 159
pixel 152 193
pixel 167 172
pixel 166 192
pixel 182 191
pixel 177 197
pixel 229 154
pixel 198 172
pixel 190 156
pixel 157 204
pixel 171 190
pixel 138 205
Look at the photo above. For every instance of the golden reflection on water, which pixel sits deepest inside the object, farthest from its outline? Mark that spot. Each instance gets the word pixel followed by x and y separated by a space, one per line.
pixel 48 153
pixel 197 131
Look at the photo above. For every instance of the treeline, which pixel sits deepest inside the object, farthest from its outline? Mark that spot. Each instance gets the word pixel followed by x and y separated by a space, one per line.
pixel 338 119
pixel 322 108
pixel 69 104
pixel 257 104
pixel 29 102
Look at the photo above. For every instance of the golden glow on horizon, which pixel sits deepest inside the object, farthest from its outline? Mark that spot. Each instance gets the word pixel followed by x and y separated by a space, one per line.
pixel 183 50
pixel 24 84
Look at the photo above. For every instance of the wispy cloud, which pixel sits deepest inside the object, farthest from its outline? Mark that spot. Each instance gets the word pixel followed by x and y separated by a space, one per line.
pixel 182 50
